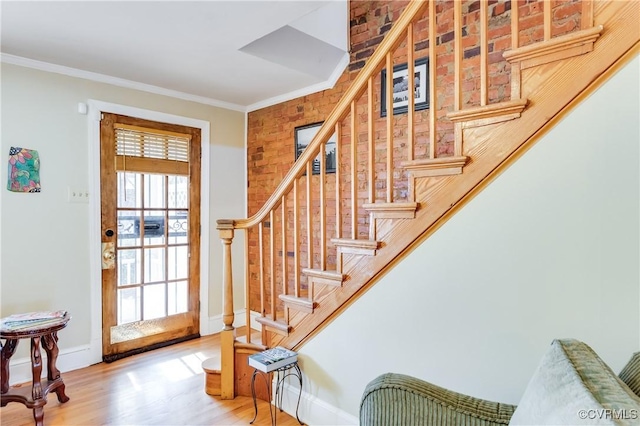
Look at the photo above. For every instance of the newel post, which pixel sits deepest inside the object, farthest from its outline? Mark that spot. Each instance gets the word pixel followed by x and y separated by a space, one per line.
pixel 225 227
pixel 227 336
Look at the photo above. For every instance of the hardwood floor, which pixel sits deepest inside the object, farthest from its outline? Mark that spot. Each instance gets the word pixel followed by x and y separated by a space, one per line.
pixel 160 387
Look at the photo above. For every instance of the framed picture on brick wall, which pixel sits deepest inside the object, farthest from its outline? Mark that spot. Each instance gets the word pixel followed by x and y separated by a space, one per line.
pixel 401 84
pixel 303 137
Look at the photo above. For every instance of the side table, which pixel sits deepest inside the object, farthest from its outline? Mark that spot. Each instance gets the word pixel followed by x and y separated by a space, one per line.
pixel 282 373
pixel 36 397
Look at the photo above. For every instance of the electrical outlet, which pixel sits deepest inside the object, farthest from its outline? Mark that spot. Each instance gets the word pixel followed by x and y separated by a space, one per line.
pixel 77 195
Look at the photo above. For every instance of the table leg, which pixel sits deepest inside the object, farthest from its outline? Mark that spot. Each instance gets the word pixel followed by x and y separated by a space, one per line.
pixel 298 374
pixel 300 393
pixel 8 349
pixel 36 368
pixel 253 395
pixel 36 389
pixel 50 343
pixel 38 415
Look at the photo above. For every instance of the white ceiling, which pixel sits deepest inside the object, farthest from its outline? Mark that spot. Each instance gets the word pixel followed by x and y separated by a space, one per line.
pixel 237 54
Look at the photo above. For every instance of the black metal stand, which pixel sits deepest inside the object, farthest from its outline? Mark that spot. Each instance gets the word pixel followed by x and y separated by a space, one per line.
pixel 281 374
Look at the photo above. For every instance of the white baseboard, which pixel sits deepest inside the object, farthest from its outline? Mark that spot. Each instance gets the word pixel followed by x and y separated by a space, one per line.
pixel 255 324
pixel 86 355
pixel 68 359
pixel 313 410
pixel 216 325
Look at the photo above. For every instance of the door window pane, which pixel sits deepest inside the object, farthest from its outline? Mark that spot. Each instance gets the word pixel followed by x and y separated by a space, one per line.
pixel 129 189
pixel 178 227
pixel 178 260
pixel 154 301
pixel 178 295
pixel 154 191
pixel 178 192
pixel 128 228
pixel 154 227
pixel 129 266
pixel 128 305
pixel 154 265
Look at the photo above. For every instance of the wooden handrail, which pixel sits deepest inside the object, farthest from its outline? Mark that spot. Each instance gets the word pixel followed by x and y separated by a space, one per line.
pixel 393 38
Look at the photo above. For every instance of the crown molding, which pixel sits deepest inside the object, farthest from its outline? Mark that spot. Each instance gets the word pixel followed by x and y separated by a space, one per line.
pixel 121 82
pixel 115 81
pixel 328 84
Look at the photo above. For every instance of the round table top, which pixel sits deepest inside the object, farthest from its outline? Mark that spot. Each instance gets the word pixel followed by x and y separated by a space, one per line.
pixel 33 330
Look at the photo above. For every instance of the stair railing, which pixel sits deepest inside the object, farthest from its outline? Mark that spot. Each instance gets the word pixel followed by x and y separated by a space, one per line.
pixel 277 210
pixel 295 225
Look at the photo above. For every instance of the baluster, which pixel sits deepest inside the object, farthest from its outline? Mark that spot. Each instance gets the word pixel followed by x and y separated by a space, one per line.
pixel 272 262
pixel 411 90
pixel 547 20
pixel 354 174
pixel 261 276
pixel 389 100
pixel 432 79
pixel 285 262
pixel 515 24
pixel 457 48
pixel 323 212
pixel 515 43
pixel 247 293
pixel 338 184
pixel 484 51
pixel 296 239
pixel 309 228
pixel 285 256
pixel 370 146
pixel 586 19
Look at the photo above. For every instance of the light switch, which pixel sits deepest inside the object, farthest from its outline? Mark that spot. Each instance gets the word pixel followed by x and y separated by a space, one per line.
pixel 77 195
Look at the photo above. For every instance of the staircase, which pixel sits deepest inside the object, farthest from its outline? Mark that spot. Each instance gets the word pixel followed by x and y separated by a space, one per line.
pixel 322 239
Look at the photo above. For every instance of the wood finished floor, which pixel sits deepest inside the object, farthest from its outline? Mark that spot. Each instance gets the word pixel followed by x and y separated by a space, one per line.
pixel 160 387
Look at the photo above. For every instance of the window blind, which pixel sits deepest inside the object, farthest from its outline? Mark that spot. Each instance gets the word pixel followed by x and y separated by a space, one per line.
pixel 140 149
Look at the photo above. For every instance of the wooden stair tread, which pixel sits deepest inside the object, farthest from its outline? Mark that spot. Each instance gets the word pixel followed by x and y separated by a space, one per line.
pixel 298 303
pixel 441 166
pixel 402 210
pixel 276 326
pixel 489 114
pixel 319 276
pixel 212 375
pixel 365 247
pixel 555 49
pixel 212 365
pixel 249 347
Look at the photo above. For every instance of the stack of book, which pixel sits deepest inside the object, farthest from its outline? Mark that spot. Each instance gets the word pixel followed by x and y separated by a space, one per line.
pixel 18 322
pixel 272 359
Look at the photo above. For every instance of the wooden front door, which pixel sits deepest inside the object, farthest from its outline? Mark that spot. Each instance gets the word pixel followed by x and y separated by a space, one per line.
pixel 150 199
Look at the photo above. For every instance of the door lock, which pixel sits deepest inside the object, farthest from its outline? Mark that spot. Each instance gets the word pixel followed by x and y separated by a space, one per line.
pixel 108 256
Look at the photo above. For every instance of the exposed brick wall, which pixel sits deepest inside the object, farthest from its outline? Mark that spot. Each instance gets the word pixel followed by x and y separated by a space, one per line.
pixel 270 136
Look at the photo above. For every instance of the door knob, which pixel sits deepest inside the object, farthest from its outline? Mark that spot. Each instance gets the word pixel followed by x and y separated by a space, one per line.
pixel 108 256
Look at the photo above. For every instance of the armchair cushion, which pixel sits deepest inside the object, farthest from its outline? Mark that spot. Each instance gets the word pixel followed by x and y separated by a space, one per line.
pixel 397 399
pixel 572 385
pixel 630 374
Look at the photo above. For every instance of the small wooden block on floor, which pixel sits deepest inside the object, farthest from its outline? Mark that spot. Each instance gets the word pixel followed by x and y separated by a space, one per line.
pixel 212 382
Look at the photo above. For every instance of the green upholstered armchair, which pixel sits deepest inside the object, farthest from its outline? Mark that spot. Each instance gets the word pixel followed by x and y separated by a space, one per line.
pixel 570 382
pixel 397 399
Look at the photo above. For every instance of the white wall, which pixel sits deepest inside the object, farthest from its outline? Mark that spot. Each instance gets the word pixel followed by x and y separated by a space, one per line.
pixel 549 250
pixel 45 240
